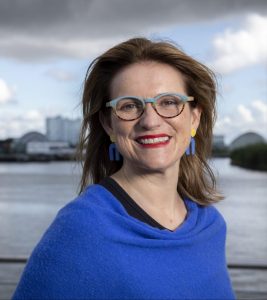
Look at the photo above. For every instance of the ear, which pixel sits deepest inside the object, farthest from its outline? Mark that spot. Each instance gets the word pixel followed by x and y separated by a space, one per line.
pixel 106 124
pixel 196 115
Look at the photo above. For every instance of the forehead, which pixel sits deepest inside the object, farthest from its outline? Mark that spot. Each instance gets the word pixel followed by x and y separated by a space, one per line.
pixel 147 79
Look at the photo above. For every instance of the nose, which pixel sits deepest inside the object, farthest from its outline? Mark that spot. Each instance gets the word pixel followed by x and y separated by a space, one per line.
pixel 150 119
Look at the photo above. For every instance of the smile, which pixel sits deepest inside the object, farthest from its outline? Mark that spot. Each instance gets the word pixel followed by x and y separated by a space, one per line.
pixel 153 140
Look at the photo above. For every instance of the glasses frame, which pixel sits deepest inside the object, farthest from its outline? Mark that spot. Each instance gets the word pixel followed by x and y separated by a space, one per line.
pixel 152 100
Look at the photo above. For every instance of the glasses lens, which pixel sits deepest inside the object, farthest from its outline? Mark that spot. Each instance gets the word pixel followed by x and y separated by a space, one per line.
pixel 129 108
pixel 169 106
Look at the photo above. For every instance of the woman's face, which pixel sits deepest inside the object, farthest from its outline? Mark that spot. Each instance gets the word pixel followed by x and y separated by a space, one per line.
pixel 149 79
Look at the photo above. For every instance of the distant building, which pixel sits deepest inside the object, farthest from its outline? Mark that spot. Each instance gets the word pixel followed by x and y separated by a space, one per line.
pixel 54 129
pixel 48 148
pixel 6 145
pixel 34 146
pixel 218 141
pixel 63 129
pixel 19 145
pixel 246 139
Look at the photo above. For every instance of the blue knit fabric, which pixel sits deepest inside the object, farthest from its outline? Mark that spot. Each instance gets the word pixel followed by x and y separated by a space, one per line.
pixel 95 250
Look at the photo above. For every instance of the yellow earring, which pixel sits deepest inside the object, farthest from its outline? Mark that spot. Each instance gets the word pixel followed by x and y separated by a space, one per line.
pixel 191 150
pixel 112 138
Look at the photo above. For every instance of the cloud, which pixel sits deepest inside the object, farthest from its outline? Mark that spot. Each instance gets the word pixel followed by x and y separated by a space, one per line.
pixel 38 30
pixel 260 109
pixel 15 125
pixel 241 48
pixel 32 115
pixel 6 92
pixel 245 118
pixel 244 113
pixel 60 74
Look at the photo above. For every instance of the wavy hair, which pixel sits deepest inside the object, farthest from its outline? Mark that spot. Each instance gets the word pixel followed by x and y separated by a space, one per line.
pixel 196 179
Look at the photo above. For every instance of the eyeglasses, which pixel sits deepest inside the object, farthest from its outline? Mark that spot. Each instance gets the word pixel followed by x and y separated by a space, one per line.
pixel 167 105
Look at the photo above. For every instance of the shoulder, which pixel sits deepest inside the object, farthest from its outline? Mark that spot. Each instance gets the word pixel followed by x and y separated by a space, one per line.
pixel 79 215
pixel 215 214
pixel 215 221
pixel 75 223
pixel 64 249
pixel 204 212
pixel 206 220
pixel 93 197
pixel 78 223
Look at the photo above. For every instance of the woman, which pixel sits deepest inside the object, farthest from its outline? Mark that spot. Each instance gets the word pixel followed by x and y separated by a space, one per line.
pixel 146 229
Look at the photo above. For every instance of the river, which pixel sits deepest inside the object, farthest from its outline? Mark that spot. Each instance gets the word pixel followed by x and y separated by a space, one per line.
pixel 32 193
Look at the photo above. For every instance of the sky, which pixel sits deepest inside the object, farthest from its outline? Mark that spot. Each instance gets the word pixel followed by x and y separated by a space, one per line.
pixel 46 47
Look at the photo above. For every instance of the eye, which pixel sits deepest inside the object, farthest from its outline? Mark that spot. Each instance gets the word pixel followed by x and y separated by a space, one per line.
pixel 128 105
pixel 168 101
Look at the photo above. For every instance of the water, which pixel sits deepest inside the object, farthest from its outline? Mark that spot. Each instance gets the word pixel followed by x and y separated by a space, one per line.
pixel 245 211
pixel 30 196
pixel 32 193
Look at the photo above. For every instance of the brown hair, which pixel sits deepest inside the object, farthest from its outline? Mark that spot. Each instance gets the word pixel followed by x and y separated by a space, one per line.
pixel 196 179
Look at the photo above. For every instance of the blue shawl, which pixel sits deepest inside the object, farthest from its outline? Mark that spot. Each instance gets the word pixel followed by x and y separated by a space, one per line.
pixel 95 250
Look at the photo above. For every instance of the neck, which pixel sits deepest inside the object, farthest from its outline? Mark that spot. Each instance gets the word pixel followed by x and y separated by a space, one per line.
pixel 155 192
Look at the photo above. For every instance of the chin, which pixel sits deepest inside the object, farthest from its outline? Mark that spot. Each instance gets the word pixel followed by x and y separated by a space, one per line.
pixel 154 166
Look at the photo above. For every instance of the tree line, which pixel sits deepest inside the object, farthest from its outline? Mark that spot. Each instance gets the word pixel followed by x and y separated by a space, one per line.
pixel 252 157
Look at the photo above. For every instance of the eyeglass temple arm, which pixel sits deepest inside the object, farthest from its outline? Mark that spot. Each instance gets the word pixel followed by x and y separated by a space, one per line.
pixel 190 98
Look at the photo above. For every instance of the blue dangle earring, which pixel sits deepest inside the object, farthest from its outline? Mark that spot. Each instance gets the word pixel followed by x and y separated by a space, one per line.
pixel 191 150
pixel 114 154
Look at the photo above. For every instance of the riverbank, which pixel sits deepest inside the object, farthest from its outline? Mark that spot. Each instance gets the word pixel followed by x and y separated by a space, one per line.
pixel 22 157
pixel 253 157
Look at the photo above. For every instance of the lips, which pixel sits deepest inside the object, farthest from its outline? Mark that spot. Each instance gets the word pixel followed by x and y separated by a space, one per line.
pixel 159 139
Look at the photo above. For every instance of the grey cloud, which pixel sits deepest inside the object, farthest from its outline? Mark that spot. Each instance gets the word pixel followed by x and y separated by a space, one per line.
pixel 39 29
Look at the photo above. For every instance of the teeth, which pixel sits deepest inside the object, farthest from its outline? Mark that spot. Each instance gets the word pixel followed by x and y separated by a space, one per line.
pixel 154 141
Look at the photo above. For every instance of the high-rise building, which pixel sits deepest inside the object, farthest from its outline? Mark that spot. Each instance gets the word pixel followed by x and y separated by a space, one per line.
pixel 63 129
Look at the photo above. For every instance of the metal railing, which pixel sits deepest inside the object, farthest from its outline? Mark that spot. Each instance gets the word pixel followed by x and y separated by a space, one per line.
pixel 23 260
pixel 13 260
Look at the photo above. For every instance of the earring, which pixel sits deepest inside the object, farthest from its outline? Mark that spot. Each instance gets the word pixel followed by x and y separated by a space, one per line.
pixel 191 150
pixel 114 154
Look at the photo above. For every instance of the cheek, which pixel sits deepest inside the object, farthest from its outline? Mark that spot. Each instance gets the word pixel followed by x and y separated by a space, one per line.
pixel 186 136
pixel 125 145
pixel 122 131
pixel 185 140
pixel 182 127
pixel 183 143
pixel 118 129
pixel 182 136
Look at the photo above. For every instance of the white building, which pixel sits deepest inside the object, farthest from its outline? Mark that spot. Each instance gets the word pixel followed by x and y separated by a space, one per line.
pixel 63 129
pixel 48 148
